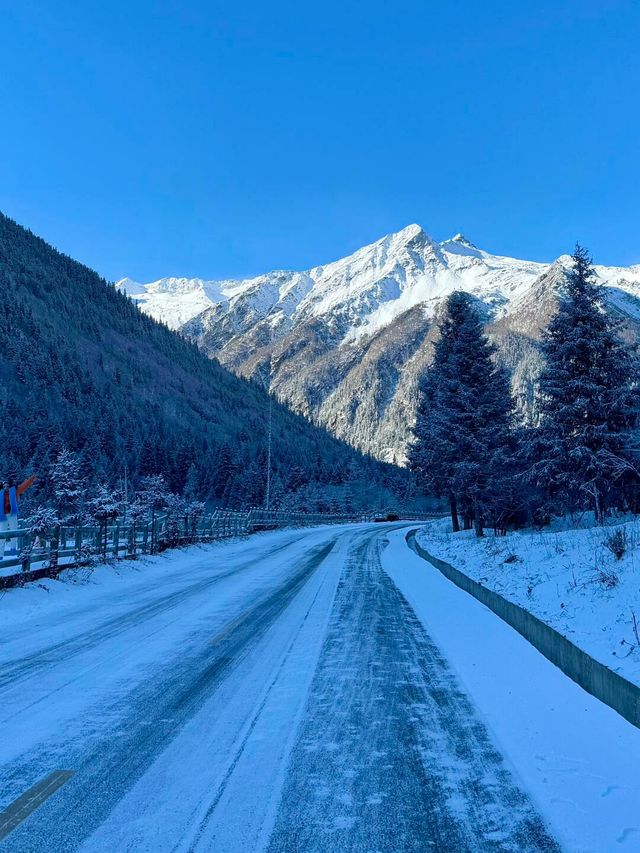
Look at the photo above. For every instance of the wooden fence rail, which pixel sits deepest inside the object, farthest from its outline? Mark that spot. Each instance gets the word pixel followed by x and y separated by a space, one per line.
pixel 51 551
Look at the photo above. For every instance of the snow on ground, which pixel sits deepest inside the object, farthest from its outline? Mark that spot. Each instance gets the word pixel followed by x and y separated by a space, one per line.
pixel 216 786
pixel 575 756
pixel 99 678
pixel 567 577
pixel 79 644
pixel 73 589
pixel 276 692
pixel 391 754
pixel 279 692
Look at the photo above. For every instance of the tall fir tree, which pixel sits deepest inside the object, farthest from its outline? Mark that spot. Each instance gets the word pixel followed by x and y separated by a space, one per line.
pixel 433 455
pixel 69 490
pixel 588 402
pixel 464 425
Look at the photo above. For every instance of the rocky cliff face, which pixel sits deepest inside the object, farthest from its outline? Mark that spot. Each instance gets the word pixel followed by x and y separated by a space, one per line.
pixel 346 344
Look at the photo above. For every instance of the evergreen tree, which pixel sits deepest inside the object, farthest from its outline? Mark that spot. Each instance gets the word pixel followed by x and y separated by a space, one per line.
pixel 588 404
pixel 433 455
pixel 153 493
pixel 68 487
pixel 464 425
pixel 104 507
pixel 191 487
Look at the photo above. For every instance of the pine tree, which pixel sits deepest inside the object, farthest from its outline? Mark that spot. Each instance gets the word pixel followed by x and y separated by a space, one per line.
pixel 464 422
pixel 191 486
pixel 152 496
pixel 153 492
pixel 104 507
pixel 68 487
pixel 588 404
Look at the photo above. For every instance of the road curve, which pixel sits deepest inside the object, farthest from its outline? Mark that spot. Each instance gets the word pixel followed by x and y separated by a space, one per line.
pixel 277 694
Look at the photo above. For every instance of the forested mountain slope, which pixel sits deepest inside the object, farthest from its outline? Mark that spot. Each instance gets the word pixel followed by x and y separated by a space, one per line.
pixel 347 343
pixel 83 367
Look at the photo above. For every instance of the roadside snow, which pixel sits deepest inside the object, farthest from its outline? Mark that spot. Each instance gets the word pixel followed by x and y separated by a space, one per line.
pixel 78 589
pixel 577 758
pixel 566 577
pixel 171 688
pixel 92 588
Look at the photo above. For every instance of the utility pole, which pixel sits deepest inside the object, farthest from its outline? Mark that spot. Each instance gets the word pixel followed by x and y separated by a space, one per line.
pixel 268 493
pixel 126 493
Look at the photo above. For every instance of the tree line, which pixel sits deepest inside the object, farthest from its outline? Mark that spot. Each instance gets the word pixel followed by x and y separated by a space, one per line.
pixel 84 370
pixel 493 469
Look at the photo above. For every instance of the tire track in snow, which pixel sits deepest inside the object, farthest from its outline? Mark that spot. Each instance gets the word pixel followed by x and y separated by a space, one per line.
pixel 107 770
pixel 202 825
pixel 391 754
pixel 61 652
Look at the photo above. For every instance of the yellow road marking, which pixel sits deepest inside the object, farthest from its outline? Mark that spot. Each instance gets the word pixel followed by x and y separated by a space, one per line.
pixel 21 808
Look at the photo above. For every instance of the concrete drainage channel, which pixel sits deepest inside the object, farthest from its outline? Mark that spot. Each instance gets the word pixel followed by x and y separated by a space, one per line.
pixel 590 674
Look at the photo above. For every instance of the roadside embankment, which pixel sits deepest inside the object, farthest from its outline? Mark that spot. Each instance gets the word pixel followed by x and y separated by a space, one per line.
pixel 532 584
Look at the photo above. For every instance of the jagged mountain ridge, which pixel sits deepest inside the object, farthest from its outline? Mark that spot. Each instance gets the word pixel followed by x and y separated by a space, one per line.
pixel 346 343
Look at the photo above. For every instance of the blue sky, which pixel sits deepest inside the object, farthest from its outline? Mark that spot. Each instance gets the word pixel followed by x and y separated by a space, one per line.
pixel 225 138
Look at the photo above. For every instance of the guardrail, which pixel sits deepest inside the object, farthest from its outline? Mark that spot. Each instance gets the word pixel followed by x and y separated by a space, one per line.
pixel 593 676
pixel 50 552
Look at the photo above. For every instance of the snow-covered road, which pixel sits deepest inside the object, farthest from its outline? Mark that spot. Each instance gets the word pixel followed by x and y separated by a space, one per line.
pixel 273 694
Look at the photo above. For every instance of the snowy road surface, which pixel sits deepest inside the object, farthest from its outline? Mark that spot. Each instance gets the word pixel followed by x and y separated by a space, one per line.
pixel 275 694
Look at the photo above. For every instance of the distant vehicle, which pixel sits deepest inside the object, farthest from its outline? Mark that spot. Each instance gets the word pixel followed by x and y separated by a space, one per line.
pixel 390 516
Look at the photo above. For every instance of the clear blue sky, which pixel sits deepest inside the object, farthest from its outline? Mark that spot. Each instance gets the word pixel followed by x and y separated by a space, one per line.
pixel 228 138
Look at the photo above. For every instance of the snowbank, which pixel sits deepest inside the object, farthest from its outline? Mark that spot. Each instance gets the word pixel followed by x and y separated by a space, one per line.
pixel 576 757
pixel 568 578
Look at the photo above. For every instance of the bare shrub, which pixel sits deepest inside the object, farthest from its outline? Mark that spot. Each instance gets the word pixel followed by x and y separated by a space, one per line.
pixel 616 542
pixel 607 578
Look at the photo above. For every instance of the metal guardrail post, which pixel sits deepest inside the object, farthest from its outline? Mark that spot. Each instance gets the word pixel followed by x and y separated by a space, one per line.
pixel 54 547
pixel 78 544
pixel 26 545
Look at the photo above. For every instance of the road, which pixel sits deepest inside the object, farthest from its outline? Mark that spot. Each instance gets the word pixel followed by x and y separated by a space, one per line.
pixel 275 694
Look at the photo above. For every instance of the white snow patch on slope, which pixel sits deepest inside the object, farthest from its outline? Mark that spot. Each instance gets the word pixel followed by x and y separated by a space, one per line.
pixel 174 301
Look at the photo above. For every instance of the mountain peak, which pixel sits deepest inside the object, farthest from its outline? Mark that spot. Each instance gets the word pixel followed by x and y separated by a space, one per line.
pixel 413 230
pixel 460 238
pixel 460 245
pixel 129 287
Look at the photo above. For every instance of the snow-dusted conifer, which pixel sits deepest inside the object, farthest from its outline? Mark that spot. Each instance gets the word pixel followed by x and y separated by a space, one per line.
pixel 105 504
pixel 588 404
pixel 153 495
pixel 153 492
pixel 433 454
pixel 465 417
pixel 191 487
pixel 68 487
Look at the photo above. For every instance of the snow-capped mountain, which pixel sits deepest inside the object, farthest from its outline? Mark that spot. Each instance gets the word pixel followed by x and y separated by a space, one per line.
pixel 347 342
pixel 174 301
